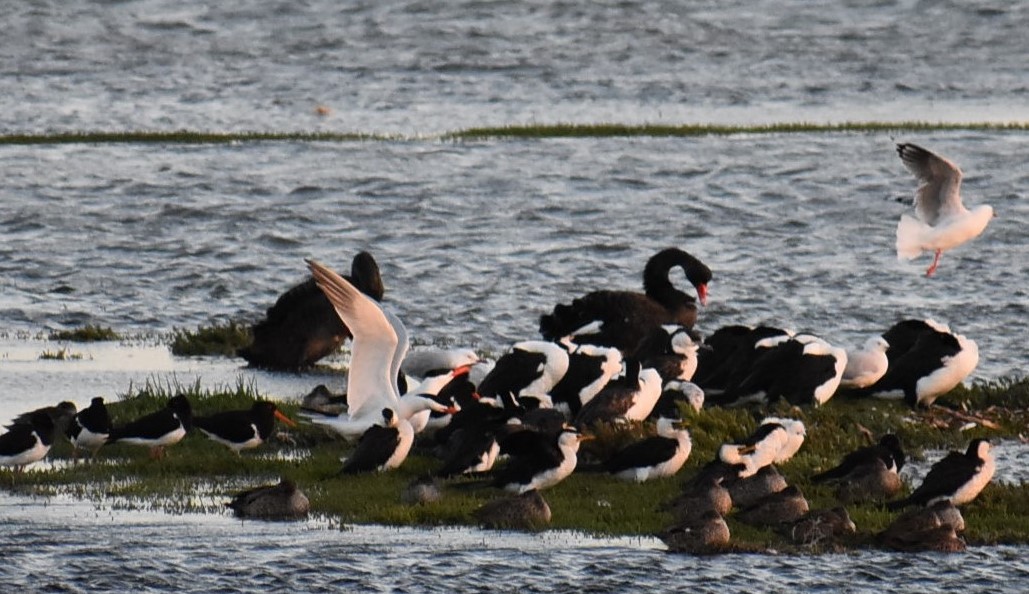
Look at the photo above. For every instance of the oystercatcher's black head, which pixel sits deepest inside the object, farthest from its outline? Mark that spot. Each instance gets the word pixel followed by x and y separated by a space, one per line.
pixel 978 448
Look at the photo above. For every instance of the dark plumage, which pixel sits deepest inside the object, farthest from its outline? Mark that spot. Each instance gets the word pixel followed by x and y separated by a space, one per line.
pixel 159 429
pixel 888 449
pixel 302 326
pixel 422 491
pixel 958 477
pixel 27 442
pixel 821 526
pixel 531 368
pixel 932 528
pixel 748 491
pixel 873 481
pixel 590 368
pixel 926 360
pixel 242 429
pixel 627 317
pixel 90 428
pixel 729 353
pixel 801 370
pixel 381 447
pixel 657 456
pixel 702 494
pixel 631 397
pixel 283 501
pixel 526 511
pixel 705 533
pixel 783 507
pixel 60 415
pixel 537 460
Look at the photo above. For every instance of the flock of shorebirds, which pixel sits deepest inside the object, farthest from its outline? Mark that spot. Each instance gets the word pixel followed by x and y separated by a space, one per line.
pixel 608 357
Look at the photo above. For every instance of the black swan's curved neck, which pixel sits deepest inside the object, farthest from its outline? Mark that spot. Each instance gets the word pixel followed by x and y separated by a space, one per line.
pixel 655 274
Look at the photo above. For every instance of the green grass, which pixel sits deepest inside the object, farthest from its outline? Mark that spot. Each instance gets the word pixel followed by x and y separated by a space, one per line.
pixel 199 475
pixel 526 131
pixel 87 333
pixel 216 339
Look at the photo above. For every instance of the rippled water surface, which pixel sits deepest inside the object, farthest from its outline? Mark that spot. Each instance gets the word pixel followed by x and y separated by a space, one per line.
pixel 477 239
pixel 66 546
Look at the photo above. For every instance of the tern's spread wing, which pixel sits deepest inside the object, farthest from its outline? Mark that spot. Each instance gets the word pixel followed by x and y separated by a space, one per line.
pixel 939 194
pixel 370 388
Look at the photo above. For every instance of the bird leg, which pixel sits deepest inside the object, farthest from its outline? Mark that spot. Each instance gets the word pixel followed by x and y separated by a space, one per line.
pixel 936 262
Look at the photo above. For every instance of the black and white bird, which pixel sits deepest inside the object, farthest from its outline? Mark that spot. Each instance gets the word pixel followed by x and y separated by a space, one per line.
pixel 958 477
pixel 802 369
pixel 282 501
pixel 90 428
pixel 28 441
pixel 941 221
pixel 159 429
pixel 756 451
pixel 795 434
pixel 675 393
pixel 303 327
pixel 538 461
pixel 671 351
pixel 530 369
pixel 242 429
pixel 887 449
pixel 590 369
pixel 927 360
pixel 626 317
pixel 729 353
pixel 382 447
pixel 630 398
pixel 659 456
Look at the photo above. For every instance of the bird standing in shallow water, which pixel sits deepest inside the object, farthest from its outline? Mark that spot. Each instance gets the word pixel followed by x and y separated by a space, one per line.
pixel 942 222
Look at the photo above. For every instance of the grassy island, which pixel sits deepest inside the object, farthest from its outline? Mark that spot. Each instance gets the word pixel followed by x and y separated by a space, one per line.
pixel 198 475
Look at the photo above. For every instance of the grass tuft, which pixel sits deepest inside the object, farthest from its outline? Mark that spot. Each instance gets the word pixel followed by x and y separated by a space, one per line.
pixel 217 339
pixel 87 333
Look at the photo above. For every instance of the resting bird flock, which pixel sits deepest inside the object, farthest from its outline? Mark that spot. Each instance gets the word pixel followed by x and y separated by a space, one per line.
pixel 942 222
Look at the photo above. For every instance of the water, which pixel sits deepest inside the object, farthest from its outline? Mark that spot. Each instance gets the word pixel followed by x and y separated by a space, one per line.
pixel 477 239
pixel 57 548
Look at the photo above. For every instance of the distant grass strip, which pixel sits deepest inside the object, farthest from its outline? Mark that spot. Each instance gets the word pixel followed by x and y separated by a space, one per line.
pixel 520 131
pixel 658 130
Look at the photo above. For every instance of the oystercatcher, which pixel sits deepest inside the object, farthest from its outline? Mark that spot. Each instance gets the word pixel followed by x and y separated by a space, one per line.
pixel 157 430
pixel 242 429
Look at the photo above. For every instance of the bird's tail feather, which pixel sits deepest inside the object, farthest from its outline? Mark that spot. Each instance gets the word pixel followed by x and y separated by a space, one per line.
pixel 909 237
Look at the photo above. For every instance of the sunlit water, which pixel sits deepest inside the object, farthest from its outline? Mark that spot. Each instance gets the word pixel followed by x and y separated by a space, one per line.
pixel 477 239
